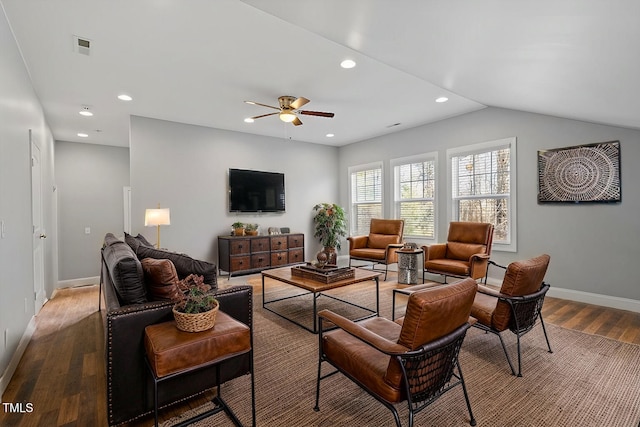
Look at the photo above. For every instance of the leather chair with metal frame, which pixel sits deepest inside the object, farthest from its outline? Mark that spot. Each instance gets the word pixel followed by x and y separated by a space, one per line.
pixel 415 361
pixel 381 245
pixel 517 305
pixel 466 253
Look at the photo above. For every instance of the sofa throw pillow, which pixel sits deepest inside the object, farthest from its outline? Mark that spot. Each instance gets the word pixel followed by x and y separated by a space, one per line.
pixel 162 279
pixel 126 272
pixel 140 238
pixel 185 265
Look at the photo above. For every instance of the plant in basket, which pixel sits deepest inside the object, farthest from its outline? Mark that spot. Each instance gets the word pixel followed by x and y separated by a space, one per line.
pixel 197 311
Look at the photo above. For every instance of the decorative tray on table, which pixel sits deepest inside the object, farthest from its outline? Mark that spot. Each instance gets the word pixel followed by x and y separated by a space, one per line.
pixel 328 273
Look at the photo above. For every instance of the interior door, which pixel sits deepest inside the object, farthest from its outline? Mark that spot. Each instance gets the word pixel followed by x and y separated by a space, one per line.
pixel 39 233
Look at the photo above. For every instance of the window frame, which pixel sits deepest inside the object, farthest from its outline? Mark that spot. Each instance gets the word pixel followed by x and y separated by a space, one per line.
pixel 483 147
pixel 418 158
pixel 352 202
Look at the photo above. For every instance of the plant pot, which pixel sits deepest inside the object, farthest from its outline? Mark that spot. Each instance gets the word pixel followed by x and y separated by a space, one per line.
pixel 238 231
pixel 332 255
pixel 196 322
pixel 251 232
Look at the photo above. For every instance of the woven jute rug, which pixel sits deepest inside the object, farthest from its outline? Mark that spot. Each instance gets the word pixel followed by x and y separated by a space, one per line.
pixel 587 381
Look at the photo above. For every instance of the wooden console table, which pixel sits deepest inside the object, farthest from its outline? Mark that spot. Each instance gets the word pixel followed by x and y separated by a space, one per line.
pixel 250 254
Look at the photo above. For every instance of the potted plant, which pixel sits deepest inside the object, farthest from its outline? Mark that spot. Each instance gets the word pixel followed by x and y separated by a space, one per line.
pixel 197 311
pixel 251 229
pixel 238 228
pixel 330 226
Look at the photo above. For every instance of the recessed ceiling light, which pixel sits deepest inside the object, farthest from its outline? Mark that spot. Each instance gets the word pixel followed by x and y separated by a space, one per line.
pixel 85 111
pixel 442 99
pixel 249 120
pixel 348 63
pixel 124 97
pixel 330 135
pixel 83 135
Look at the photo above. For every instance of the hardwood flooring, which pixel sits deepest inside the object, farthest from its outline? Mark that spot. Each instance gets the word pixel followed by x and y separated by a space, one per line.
pixel 62 372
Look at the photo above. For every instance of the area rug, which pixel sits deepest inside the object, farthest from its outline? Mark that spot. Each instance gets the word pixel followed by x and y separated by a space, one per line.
pixel 588 380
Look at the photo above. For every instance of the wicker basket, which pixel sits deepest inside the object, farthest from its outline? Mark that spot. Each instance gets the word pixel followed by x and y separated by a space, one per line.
pixel 197 322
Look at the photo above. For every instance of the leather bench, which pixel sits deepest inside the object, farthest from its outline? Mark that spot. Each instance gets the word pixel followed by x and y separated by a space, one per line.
pixel 171 352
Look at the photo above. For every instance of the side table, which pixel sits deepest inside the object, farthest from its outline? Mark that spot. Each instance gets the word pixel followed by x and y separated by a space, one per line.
pixel 408 263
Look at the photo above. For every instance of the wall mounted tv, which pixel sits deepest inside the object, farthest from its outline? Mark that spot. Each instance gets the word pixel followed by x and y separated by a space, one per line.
pixel 255 191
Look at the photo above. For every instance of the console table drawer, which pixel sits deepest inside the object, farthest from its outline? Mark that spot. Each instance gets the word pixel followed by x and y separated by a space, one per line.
pixel 296 256
pixel 296 241
pixel 260 260
pixel 278 243
pixel 260 245
pixel 240 263
pixel 279 258
pixel 239 247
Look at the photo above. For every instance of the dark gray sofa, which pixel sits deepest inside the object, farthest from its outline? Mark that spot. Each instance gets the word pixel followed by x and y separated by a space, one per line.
pixel 128 312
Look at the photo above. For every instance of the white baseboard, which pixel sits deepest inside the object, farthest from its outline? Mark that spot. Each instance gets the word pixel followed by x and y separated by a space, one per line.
pixel 588 297
pixel 95 280
pixel 13 363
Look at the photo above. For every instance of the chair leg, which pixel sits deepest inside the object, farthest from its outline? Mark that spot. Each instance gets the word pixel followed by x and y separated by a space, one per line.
pixel 545 333
pixel 472 420
pixel 386 269
pixel 513 371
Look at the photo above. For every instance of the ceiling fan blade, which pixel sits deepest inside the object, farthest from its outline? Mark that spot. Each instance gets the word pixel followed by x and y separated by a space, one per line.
pixel 297 122
pixel 263 115
pixel 316 113
pixel 299 103
pixel 262 105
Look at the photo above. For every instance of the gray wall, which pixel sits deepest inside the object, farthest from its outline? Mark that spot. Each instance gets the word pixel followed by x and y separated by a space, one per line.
pixel 185 168
pixel 20 111
pixel 594 248
pixel 90 179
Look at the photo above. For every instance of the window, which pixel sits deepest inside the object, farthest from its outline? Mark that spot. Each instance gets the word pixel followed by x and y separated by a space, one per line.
pixel 415 191
pixel 366 196
pixel 483 186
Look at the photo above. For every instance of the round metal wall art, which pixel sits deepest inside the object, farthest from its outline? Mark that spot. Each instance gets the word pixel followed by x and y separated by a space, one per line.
pixel 586 173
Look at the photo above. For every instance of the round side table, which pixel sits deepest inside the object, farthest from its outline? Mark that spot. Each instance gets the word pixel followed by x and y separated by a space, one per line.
pixel 408 266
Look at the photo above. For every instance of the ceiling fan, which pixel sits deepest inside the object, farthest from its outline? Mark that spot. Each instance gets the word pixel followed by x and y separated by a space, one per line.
pixel 289 108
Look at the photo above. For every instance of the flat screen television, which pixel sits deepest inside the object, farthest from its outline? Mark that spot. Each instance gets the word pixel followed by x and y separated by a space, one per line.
pixel 256 191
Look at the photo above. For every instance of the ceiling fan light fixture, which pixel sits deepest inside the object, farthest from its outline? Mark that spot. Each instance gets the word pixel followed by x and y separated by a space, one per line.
pixel 287 116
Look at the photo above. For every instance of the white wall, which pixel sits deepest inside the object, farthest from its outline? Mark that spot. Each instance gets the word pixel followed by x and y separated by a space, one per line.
pixel 185 168
pixel 20 110
pixel 593 247
pixel 89 179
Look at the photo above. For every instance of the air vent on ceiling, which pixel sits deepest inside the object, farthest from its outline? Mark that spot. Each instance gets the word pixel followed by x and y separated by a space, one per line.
pixel 82 45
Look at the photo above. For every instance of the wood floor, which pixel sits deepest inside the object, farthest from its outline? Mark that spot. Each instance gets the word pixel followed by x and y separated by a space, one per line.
pixel 62 372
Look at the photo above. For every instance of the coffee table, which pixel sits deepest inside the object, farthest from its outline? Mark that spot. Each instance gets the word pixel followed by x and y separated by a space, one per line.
pixel 318 289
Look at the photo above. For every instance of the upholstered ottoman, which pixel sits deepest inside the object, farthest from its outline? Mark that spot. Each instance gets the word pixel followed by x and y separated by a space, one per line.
pixel 171 352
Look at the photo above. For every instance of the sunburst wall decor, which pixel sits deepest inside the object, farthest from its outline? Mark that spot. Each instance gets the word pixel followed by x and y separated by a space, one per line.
pixel 580 174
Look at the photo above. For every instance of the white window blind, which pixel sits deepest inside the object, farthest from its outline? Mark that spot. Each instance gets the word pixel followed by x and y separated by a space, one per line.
pixel 415 190
pixel 483 187
pixel 366 197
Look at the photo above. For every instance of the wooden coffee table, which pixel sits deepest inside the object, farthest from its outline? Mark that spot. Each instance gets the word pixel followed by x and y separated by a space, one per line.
pixel 318 289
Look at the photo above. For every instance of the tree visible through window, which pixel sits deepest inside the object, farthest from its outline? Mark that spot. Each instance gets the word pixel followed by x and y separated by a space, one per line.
pixel 482 188
pixel 366 197
pixel 415 188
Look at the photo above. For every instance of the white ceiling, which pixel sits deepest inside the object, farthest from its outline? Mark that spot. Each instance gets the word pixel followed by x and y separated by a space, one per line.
pixel 196 61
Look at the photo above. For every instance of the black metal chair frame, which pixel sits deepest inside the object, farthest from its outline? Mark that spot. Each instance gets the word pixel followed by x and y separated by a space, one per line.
pixel 424 378
pixel 525 310
pixel 373 262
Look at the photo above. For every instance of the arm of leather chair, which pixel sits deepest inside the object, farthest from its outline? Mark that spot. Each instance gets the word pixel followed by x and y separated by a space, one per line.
pixel 391 254
pixel 491 292
pixel 357 242
pixel 363 334
pixel 478 264
pixel 437 251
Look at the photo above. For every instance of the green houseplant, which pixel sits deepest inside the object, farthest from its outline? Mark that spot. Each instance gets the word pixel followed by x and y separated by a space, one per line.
pixel 238 228
pixel 330 226
pixel 251 229
pixel 197 311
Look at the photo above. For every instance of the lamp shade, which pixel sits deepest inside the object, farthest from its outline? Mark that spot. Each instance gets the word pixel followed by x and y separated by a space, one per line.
pixel 153 217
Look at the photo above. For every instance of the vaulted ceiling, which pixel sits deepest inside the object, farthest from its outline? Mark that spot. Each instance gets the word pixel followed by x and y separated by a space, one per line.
pixel 196 61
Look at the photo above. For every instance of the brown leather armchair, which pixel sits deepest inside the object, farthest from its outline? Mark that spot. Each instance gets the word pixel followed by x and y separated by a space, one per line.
pixel 517 305
pixel 380 246
pixel 466 253
pixel 416 361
